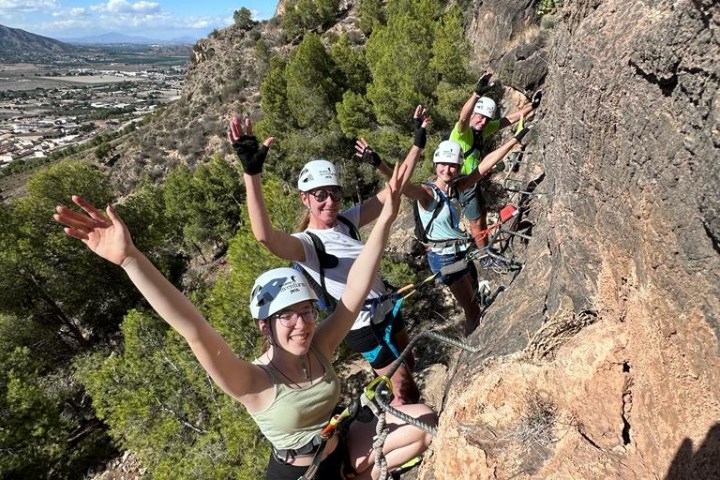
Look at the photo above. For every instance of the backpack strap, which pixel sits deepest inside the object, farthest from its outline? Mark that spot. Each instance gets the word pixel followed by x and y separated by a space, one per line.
pixel 436 212
pixel 443 201
pixel 354 232
pixel 325 260
pixel 478 141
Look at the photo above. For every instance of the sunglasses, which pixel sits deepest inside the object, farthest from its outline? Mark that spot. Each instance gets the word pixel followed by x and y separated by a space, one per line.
pixel 322 194
pixel 289 319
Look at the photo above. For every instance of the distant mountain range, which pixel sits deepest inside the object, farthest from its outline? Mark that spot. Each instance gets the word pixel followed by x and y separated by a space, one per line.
pixel 119 38
pixel 16 40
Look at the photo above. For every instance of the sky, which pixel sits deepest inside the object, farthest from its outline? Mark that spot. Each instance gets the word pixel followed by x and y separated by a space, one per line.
pixel 156 19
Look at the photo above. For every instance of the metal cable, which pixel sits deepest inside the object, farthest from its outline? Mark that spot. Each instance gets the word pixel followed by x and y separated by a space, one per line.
pixel 382 393
pixel 434 334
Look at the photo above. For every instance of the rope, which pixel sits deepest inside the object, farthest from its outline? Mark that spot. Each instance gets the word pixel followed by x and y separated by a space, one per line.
pixel 378 394
pixel 381 434
pixel 382 391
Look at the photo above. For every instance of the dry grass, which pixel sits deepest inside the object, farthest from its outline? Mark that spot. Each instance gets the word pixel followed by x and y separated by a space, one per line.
pixel 536 427
pixel 556 331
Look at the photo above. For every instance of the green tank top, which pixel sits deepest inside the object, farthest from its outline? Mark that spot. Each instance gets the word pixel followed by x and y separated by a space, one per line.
pixel 296 415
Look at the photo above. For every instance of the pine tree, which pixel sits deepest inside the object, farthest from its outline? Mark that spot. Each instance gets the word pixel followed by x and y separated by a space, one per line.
pixel 372 15
pixel 398 55
pixel 311 89
pixel 276 117
pixel 352 64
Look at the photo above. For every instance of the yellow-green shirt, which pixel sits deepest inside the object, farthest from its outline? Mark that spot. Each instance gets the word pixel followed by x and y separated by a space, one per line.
pixel 466 140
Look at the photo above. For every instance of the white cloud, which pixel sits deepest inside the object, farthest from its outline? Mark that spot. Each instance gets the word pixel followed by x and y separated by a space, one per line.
pixel 258 15
pixel 74 12
pixel 77 12
pixel 146 7
pixel 136 17
pixel 125 7
pixel 27 5
pixel 118 6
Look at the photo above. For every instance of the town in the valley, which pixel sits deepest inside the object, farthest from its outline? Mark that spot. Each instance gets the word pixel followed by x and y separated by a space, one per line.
pixel 67 101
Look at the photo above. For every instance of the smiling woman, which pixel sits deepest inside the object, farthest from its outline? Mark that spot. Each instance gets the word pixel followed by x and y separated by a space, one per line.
pixel 292 389
pixel 438 205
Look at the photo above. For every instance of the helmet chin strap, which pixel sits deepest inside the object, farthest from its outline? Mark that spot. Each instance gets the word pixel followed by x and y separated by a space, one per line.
pixel 274 341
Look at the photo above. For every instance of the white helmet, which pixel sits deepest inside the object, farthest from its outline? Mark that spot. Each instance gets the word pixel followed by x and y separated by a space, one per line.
pixel 318 173
pixel 449 151
pixel 485 106
pixel 276 289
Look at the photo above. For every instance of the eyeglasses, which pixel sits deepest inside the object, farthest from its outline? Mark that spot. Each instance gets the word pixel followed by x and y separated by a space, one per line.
pixel 322 194
pixel 289 319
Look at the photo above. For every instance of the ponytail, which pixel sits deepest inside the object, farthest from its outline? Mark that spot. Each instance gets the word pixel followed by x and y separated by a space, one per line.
pixel 304 221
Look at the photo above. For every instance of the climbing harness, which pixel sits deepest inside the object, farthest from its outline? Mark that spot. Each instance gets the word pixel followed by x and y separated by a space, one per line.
pixel 399 295
pixel 337 423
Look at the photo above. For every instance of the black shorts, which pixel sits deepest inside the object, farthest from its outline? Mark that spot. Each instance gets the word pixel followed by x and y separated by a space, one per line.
pixel 330 468
pixel 371 341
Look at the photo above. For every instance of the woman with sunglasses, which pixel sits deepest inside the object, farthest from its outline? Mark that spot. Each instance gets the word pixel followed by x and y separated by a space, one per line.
pixel 377 334
pixel 291 390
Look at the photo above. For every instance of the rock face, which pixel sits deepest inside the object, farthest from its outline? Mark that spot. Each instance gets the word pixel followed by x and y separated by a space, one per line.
pixel 601 360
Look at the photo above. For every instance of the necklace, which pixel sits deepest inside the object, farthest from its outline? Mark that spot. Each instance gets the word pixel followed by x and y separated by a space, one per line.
pixel 307 371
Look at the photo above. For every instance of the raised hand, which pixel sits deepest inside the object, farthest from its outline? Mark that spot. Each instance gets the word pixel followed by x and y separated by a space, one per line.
pixel 367 154
pixel 521 130
pixel 251 155
pixel 421 120
pixel 483 85
pixel 393 190
pixel 107 236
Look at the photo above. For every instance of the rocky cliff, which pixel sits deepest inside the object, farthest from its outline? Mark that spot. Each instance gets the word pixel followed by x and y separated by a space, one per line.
pixel 601 360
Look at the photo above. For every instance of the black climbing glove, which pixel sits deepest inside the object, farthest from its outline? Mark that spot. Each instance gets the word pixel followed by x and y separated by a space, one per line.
pixel 536 98
pixel 483 85
pixel 520 133
pixel 420 137
pixel 370 156
pixel 251 156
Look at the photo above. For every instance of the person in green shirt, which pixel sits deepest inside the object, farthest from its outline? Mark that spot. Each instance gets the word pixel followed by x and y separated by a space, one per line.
pixel 476 124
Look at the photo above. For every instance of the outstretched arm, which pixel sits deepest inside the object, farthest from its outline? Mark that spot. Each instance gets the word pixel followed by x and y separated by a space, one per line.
pixel 524 112
pixel 332 331
pixel 482 86
pixel 511 118
pixel 492 158
pixel 252 158
pixel 109 238
pixel 370 209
